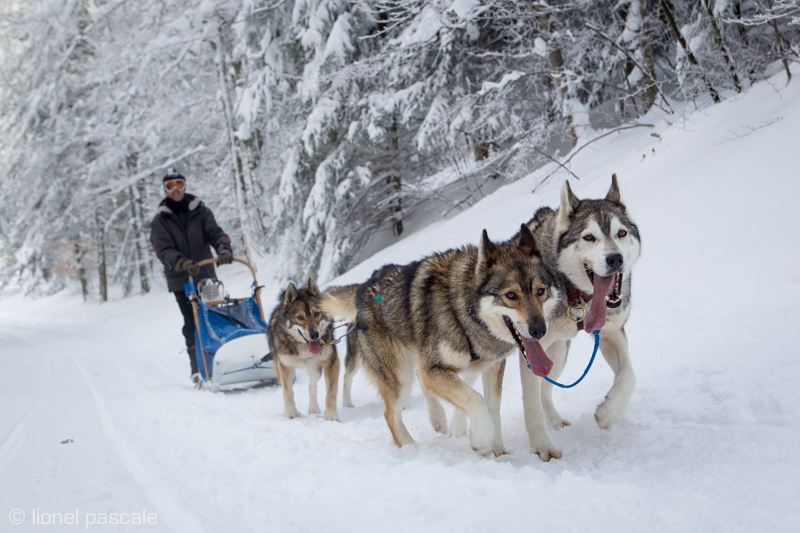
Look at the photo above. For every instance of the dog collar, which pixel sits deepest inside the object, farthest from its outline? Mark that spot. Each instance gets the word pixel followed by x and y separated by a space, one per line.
pixel 576 301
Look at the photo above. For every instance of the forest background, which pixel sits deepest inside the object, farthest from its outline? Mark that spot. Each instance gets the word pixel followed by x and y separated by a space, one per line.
pixel 319 131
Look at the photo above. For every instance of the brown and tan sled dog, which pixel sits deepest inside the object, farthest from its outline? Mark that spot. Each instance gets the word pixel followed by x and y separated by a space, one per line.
pixel 463 310
pixel 300 336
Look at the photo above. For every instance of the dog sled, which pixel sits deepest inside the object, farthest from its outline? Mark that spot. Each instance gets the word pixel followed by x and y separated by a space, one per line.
pixel 230 334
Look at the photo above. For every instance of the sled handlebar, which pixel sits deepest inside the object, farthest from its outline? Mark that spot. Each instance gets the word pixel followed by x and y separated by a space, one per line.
pixel 235 260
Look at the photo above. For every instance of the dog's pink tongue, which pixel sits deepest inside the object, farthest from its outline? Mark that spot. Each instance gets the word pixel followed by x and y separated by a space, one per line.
pixel 596 318
pixel 537 359
pixel 314 347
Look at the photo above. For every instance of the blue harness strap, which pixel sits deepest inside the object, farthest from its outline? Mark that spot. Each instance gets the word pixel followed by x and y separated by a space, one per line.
pixel 596 334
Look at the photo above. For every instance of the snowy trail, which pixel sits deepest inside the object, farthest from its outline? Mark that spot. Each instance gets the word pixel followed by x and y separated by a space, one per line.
pixel 66 421
pixel 710 442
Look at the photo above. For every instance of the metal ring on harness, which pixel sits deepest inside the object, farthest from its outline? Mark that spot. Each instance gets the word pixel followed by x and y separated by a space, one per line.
pixel 578 307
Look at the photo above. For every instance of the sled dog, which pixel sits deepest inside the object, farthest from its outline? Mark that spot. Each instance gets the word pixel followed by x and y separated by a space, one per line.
pixel 461 310
pixel 592 245
pixel 300 336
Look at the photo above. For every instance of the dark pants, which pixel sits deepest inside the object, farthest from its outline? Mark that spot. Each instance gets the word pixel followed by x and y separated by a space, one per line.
pixel 188 325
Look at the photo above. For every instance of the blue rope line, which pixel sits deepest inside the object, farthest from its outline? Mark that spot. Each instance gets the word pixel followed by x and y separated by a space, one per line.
pixel 596 334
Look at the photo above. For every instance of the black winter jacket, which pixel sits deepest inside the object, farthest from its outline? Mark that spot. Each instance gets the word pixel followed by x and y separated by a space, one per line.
pixel 171 240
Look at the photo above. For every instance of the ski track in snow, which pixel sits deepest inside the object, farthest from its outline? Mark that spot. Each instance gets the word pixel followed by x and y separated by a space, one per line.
pixel 163 494
pixel 710 442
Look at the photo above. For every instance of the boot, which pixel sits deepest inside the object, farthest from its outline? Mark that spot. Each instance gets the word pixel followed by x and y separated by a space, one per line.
pixel 192 359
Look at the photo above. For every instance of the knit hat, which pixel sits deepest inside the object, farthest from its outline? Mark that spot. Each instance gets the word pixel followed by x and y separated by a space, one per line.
pixel 172 174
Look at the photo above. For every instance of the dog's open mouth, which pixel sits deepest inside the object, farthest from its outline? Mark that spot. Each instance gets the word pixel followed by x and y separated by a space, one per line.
pixel 313 346
pixel 613 296
pixel 531 350
pixel 607 289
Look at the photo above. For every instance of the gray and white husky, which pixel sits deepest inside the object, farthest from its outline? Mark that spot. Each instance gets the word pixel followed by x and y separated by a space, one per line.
pixel 592 245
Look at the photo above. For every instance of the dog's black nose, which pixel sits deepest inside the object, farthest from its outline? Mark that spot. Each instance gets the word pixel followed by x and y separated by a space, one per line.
pixel 537 330
pixel 614 261
pixel 314 335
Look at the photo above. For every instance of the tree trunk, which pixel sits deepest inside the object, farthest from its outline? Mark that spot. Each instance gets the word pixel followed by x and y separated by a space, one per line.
pixel 726 55
pixel 226 102
pixel 100 240
pixel 79 255
pixel 396 184
pixel 689 55
pixel 642 55
pixel 779 39
pixel 139 239
pixel 555 60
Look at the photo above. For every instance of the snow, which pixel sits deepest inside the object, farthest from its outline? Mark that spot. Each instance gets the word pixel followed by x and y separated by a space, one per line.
pixel 509 77
pixel 99 419
pixel 540 47
pixel 425 28
pixel 462 8
pixel 338 44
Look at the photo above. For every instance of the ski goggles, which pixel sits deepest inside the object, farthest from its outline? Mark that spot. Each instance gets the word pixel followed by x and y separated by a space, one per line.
pixel 174 184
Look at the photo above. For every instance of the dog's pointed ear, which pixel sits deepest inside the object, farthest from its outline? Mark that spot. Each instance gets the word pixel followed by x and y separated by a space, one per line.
pixel 290 296
pixel 613 193
pixel 569 203
pixel 487 254
pixel 526 241
pixel 313 290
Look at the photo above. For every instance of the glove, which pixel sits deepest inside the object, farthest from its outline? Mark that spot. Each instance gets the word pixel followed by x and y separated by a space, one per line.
pixel 224 255
pixel 184 264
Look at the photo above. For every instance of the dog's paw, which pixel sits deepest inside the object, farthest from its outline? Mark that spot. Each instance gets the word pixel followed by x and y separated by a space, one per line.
pixel 313 410
pixel 482 439
pixel 459 424
pixel 542 447
pixel 347 403
pixel 500 451
pixel 438 420
pixel 440 426
pixel 332 416
pixel 558 423
pixel 608 413
pixel 293 413
pixel 547 453
pixel 484 451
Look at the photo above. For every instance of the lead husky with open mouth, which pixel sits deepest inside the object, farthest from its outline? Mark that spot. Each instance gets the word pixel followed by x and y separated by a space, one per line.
pixel 592 244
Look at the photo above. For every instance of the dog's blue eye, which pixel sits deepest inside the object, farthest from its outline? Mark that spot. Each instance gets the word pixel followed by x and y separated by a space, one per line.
pixel 511 295
pixel 540 292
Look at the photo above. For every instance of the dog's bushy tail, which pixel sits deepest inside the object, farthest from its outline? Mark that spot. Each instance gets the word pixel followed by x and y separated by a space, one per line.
pixel 340 302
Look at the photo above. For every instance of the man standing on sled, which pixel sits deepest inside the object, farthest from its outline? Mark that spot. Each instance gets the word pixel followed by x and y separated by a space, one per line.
pixel 182 233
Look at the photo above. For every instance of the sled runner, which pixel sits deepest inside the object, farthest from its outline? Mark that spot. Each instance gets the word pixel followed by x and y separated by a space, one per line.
pixel 230 333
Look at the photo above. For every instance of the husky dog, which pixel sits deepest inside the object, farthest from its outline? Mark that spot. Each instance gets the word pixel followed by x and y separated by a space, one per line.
pixel 300 335
pixel 592 244
pixel 463 309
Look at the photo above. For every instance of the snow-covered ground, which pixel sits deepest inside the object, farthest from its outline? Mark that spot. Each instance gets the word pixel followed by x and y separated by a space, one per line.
pixel 98 420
